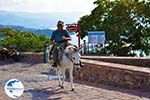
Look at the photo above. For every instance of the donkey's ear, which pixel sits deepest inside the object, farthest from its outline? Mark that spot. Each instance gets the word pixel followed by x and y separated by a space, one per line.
pixel 75 46
pixel 71 50
pixel 79 49
pixel 68 50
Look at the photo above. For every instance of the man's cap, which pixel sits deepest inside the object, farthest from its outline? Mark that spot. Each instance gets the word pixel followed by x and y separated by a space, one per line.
pixel 60 23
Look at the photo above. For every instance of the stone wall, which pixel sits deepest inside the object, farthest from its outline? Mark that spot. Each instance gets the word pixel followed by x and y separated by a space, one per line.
pixel 32 57
pixel 118 75
pixel 136 61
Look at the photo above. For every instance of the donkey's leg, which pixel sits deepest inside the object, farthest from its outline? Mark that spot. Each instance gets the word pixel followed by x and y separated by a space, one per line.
pixel 63 78
pixel 71 78
pixel 59 78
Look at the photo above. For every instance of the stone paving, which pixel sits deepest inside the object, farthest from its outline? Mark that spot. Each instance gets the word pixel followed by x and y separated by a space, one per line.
pixel 39 87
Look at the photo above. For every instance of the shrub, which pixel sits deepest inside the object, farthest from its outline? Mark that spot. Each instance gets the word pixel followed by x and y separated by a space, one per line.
pixel 23 41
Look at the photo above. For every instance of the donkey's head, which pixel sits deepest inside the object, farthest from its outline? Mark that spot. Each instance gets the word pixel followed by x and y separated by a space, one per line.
pixel 74 55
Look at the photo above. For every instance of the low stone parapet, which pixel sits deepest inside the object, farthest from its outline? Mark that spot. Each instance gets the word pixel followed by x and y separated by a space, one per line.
pixel 131 77
pixel 32 57
pixel 136 61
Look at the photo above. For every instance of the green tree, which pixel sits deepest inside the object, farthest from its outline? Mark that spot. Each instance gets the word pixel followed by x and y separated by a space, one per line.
pixel 23 41
pixel 126 22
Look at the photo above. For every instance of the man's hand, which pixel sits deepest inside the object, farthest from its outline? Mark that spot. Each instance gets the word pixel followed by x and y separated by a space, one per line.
pixel 66 38
pixel 53 42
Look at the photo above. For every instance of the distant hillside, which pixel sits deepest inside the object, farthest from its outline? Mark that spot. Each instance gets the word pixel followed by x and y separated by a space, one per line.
pixel 46 32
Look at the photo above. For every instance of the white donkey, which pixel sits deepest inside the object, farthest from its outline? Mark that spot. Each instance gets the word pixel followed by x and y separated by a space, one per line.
pixel 70 59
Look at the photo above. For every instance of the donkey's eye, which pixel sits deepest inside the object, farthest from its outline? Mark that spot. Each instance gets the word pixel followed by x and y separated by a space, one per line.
pixel 73 58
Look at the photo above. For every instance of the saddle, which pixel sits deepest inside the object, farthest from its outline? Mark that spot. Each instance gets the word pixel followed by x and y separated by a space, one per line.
pixel 60 50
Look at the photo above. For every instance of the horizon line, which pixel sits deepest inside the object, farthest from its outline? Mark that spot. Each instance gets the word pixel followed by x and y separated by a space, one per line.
pixel 36 12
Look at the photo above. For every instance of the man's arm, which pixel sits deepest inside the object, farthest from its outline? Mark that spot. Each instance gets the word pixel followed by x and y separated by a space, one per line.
pixel 66 37
pixel 52 39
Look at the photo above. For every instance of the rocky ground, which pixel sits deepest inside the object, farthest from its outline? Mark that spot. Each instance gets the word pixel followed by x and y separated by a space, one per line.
pixel 38 87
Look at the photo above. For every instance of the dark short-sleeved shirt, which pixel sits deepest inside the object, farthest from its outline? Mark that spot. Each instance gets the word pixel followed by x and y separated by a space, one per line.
pixel 57 35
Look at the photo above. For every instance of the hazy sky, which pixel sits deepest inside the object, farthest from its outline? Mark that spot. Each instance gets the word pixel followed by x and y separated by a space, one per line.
pixel 47 5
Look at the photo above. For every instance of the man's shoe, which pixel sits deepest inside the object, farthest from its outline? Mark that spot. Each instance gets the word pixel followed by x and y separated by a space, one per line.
pixel 54 65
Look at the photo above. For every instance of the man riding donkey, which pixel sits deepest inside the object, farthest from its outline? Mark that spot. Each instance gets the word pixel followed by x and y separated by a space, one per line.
pixel 59 38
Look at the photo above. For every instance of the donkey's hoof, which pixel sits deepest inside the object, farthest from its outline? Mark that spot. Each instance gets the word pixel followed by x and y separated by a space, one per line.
pixel 72 89
pixel 62 87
